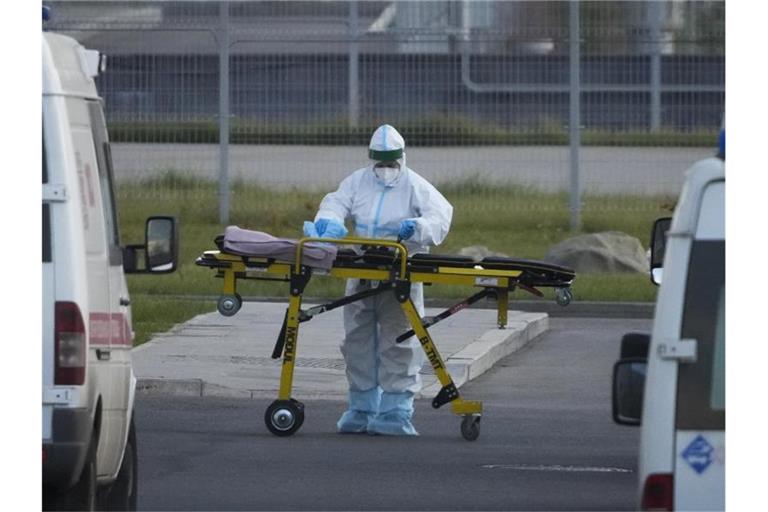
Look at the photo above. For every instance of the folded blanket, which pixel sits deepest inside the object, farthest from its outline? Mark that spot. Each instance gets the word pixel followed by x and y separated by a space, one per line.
pixel 245 242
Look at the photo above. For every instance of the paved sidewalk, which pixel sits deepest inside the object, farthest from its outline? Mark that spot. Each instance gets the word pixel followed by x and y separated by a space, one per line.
pixel 213 355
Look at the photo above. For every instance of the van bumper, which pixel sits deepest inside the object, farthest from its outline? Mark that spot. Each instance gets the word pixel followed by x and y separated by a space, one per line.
pixel 65 453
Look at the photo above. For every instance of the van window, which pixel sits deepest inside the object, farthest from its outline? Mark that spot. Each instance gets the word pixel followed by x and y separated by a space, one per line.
pixel 701 385
pixel 45 161
pixel 47 256
pixel 717 397
pixel 106 181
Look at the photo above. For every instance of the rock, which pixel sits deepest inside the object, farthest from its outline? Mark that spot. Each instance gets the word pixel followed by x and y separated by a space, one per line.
pixel 478 252
pixel 609 251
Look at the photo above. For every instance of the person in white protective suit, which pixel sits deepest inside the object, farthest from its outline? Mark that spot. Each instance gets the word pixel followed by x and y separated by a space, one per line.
pixel 385 200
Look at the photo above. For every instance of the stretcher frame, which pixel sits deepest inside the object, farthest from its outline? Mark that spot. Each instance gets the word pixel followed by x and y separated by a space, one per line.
pixel 286 414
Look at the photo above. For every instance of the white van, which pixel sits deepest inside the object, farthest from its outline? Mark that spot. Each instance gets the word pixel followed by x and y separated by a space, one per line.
pixel 88 436
pixel 672 382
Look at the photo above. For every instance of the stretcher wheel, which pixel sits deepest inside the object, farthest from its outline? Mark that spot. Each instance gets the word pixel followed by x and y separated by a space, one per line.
pixel 470 427
pixel 300 406
pixel 563 296
pixel 284 417
pixel 229 304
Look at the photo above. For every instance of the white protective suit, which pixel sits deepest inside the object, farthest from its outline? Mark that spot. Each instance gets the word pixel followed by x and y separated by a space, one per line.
pixel 384 375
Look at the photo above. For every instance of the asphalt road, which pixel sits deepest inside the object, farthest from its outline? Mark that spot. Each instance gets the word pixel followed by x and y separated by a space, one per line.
pixel 547 443
pixel 611 170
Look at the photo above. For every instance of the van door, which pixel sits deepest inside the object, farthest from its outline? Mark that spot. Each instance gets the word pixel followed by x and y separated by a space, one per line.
pixel 49 297
pixel 700 414
pixel 99 372
pixel 117 354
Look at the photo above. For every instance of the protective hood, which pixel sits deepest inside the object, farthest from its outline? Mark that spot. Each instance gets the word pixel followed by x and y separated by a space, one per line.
pixel 387 145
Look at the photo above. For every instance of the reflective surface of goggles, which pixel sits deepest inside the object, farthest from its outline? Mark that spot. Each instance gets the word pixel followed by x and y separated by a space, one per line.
pixel 387 165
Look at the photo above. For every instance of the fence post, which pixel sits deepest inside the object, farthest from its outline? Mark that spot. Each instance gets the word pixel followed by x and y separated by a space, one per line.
pixel 654 46
pixel 353 81
pixel 574 127
pixel 223 40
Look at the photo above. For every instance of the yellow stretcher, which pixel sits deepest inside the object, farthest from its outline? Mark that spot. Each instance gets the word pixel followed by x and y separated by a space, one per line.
pixel 386 262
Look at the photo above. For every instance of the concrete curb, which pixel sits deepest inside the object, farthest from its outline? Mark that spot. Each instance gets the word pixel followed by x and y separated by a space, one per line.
pixel 463 366
pixel 149 386
pixel 175 387
pixel 585 309
pixel 479 356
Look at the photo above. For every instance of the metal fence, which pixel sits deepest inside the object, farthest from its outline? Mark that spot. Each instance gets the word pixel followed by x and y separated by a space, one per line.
pixel 287 93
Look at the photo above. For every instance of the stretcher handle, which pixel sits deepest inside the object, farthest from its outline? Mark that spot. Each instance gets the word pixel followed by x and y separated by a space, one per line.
pixel 399 247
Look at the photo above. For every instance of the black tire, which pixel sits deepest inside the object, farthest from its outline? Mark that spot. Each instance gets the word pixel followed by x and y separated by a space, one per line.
pixel 82 496
pixel 284 417
pixel 470 427
pixel 229 305
pixel 563 296
pixel 300 406
pixel 122 494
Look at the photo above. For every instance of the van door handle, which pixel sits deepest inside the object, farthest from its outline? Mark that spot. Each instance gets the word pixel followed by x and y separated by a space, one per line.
pixel 125 302
pixel 680 350
pixel 103 355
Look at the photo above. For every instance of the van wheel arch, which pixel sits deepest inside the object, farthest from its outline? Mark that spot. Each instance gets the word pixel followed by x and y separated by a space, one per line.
pixel 84 494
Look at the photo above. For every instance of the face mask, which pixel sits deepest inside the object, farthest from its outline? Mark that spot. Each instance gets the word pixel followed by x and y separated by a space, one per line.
pixel 387 174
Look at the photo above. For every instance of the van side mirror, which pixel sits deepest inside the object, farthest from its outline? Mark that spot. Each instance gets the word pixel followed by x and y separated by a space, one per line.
pixel 160 252
pixel 635 344
pixel 629 378
pixel 658 246
pixel 628 388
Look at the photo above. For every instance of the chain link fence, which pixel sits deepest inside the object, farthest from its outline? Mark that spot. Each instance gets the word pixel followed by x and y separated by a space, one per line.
pixel 480 90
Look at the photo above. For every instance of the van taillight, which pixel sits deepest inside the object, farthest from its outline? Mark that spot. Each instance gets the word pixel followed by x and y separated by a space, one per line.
pixel 70 345
pixel 658 492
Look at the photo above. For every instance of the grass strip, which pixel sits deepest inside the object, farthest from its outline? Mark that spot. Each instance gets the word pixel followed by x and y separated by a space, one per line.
pixel 442 131
pixel 155 313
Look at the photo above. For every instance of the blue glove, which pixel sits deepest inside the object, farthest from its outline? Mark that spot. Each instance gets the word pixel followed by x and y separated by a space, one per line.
pixel 310 231
pixel 324 228
pixel 407 229
pixel 332 229
pixel 321 225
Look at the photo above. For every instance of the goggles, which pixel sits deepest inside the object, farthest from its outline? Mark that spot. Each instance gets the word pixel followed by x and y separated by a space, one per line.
pixel 394 164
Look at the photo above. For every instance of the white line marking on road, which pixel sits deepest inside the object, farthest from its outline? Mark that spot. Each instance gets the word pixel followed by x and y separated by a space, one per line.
pixel 569 469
